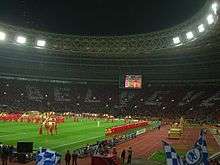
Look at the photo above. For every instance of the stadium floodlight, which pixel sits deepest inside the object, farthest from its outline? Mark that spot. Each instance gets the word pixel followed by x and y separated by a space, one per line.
pixel 189 35
pixel 215 7
pixel 2 36
pixel 210 19
pixel 21 40
pixel 176 40
pixel 201 28
pixel 41 43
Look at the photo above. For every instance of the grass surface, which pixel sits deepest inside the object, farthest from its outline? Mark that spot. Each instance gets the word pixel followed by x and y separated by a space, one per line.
pixel 70 135
pixel 159 156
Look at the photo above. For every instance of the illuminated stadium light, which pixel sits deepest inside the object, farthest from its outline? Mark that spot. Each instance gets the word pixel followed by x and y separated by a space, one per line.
pixel 21 40
pixel 41 43
pixel 210 19
pixel 201 28
pixel 176 40
pixel 2 36
pixel 215 7
pixel 189 35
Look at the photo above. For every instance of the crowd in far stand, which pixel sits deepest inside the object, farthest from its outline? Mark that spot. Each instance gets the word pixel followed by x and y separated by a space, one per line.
pixel 199 103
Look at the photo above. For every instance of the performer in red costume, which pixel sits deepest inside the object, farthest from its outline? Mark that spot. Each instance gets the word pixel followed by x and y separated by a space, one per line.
pixel 40 132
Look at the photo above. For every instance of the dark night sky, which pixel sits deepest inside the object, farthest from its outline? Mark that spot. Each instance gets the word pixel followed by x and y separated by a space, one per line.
pixel 98 17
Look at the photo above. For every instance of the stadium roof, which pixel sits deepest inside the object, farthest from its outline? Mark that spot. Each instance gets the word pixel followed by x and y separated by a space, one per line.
pixel 192 29
pixel 98 17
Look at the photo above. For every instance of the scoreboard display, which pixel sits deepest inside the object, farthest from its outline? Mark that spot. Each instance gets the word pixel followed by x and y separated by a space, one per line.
pixel 133 81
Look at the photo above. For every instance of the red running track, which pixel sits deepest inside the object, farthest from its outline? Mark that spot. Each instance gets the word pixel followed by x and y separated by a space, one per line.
pixel 145 144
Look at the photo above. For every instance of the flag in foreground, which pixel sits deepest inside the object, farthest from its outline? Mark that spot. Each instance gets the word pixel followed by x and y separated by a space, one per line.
pixel 47 157
pixel 172 158
pixel 198 154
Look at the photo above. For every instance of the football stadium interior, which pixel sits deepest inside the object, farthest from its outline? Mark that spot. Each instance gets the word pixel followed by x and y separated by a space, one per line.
pixel 98 96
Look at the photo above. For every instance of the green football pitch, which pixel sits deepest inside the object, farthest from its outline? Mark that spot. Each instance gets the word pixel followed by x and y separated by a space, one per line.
pixel 71 135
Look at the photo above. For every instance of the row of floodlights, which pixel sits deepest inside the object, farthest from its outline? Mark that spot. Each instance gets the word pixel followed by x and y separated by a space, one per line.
pixel 176 40
pixel 22 40
pixel 201 28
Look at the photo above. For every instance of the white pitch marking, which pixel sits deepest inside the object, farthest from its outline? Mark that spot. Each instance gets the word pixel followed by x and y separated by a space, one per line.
pixel 13 134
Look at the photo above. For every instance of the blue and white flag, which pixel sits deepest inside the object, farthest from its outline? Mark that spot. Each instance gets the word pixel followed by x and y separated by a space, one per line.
pixel 199 154
pixel 47 157
pixel 202 143
pixel 172 158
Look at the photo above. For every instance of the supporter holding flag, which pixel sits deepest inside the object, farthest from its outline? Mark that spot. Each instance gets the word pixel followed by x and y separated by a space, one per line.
pixel 172 158
pixel 199 154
